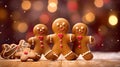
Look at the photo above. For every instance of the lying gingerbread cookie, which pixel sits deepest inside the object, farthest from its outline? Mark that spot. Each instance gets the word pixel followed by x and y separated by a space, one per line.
pixel 61 39
pixel 8 51
pixel 80 45
pixel 21 51
pixel 39 42
pixel 25 53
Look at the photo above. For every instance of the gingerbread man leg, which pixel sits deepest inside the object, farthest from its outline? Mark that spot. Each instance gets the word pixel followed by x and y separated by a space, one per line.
pixel 51 55
pixel 56 51
pixel 68 54
pixel 34 56
pixel 87 55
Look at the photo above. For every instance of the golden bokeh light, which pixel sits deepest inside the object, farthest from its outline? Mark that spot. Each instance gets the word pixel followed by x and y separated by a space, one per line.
pixel 55 1
pixel 44 18
pixel 37 5
pixel 113 20
pixel 52 4
pixel 3 14
pixel 89 17
pixel 52 7
pixel 20 26
pixel 99 3
pixel 26 5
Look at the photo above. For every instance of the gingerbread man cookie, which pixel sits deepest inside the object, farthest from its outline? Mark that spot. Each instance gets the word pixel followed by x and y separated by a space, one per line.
pixel 80 45
pixel 61 39
pixel 40 41
pixel 8 51
pixel 24 52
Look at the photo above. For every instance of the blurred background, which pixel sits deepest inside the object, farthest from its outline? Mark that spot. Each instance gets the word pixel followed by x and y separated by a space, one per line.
pixel 18 17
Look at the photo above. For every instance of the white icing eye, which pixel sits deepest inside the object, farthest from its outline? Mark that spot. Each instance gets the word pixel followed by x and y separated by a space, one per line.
pixel 38 28
pixel 76 27
pixel 43 28
pixel 57 24
pixel 63 24
pixel 82 27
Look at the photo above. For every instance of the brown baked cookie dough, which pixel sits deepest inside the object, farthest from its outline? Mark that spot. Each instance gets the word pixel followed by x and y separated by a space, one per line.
pixel 39 42
pixel 61 38
pixel 80 44
pixel 21 51
pixel 8 51
pixel 24 52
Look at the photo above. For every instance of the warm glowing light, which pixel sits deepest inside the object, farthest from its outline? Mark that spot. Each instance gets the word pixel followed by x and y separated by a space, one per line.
pixel 52 4
pixel 55 1
pixel 37 5
pixel 89 17
pixel 5 6
pixel 26 4
pixel 113 20
pixel 3 14
pixel 52 7
pixel 99 3
pixel 44 18
pixel 20 26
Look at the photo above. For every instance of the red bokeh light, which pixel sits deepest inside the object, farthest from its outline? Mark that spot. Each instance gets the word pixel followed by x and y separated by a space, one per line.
pixel 72 6
pixel 44 18
pixel 106 1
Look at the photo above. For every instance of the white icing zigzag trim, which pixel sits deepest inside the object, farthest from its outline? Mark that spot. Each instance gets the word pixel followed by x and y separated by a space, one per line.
pixel 86 53
pixel 68 54
pixel 47 53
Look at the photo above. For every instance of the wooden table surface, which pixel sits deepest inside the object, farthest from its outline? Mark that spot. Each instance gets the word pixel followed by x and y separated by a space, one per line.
pixel 101 59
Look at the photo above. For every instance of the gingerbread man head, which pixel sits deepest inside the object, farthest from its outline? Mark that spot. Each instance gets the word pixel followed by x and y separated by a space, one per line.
pixel 80 29
pixel 40 29
pixel 60 25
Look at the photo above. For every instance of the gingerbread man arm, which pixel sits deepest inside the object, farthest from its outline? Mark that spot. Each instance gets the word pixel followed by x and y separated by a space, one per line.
pixel 31 42
pixel 71 37
pixel 90 39
pixel 50 38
